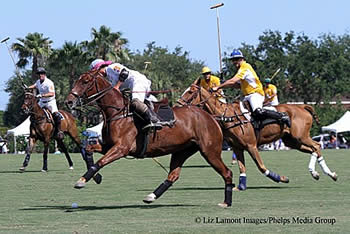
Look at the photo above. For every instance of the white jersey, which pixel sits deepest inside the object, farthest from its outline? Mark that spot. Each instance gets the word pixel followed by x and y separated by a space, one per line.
pixel 137 82
pixel 44 88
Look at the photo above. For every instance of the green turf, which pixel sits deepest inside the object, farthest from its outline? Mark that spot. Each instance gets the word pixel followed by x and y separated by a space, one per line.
pixel 36 202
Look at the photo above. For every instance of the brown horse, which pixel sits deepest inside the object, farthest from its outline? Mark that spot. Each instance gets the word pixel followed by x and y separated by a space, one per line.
pixel 240 133
pixel 42 128
pixel 194 130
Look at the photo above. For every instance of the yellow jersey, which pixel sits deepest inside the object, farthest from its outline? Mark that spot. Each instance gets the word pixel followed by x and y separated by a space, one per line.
pixel 271 94
pixel 250 82
pixel 214 82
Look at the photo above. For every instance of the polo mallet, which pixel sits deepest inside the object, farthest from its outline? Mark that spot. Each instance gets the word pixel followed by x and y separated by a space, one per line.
pixel 13 60
pixel 276 72
pixel 218 27
pixel 154 159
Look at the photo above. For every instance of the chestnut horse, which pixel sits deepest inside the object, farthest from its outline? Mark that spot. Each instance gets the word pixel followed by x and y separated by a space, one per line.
pixel 240 133
pixel 42 128
pixel 194 130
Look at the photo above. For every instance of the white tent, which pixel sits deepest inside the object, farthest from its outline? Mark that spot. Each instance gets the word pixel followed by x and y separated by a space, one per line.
pixel 96 130
pixel 341 125
pixel 20 130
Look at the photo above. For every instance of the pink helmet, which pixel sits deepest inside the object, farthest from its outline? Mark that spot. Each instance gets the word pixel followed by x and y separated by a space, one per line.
pixel 97 63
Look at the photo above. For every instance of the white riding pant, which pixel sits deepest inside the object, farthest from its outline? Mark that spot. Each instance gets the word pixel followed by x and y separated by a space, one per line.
pixel 255 100
pixel 139 85
pixel 51 105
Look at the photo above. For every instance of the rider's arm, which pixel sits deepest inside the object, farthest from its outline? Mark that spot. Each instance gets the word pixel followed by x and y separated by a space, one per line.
pixel 229 83
pixel 32 86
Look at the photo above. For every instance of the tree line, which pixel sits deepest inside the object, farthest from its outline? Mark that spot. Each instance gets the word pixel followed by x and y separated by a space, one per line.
pixel 312 70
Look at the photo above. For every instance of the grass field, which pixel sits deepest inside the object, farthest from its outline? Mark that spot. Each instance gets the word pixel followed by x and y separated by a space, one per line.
pixel 36 202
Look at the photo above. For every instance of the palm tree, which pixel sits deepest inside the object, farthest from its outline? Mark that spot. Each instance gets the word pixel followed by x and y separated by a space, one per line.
pixel 33 47
pixel 70 61
pixel 108 45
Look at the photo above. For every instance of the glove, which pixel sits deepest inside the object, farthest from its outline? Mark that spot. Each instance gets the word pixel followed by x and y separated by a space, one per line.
pixel 39 96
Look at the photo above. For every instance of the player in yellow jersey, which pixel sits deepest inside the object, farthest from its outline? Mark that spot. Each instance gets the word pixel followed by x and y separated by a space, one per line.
pixel 270 91
pixel 252 89
pixel 209 81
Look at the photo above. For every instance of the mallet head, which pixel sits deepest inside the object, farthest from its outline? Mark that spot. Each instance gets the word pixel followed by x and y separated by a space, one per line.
pixel 4 40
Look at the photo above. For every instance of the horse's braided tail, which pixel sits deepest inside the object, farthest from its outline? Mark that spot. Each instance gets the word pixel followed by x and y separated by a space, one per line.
pixel 311 110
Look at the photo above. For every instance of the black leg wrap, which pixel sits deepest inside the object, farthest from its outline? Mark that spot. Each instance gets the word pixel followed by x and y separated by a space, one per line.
pixel 26 160
pixel 162 188
pixel 228 194
pixel 91 172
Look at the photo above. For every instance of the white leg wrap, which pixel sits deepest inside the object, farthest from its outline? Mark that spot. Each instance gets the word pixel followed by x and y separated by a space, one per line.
pixel 243 174
pixel 312 162
pixel 150 198
pixel 267 172
pixel 324 166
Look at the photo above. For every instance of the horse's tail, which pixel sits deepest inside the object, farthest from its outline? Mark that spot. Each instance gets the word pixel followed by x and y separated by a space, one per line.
pixel 311 110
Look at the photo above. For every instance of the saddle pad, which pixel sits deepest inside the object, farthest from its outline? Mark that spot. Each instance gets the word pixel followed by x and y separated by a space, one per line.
pixel 165 113
pixel 270 108
pixel 244 111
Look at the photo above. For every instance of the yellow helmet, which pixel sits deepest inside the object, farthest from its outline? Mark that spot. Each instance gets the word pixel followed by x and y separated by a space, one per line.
pixel 206 70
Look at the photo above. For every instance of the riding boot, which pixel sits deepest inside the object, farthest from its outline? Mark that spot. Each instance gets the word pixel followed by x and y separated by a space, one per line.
pixel 146 114
pixel 57 119
pixel 281 117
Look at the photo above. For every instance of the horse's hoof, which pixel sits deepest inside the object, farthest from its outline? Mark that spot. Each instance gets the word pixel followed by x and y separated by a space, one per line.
pixel 71 168
pixel 22 169
pixel 97 178
pixel 284 179
pixel 80 184
pixel 43 170
pixel 149 198
pixel 236 189
pixel 334 176
pixel 315 175
pixel 223 205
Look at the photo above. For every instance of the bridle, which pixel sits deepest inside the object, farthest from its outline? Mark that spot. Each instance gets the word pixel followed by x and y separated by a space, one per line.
pixel 184 102
pixel 85 99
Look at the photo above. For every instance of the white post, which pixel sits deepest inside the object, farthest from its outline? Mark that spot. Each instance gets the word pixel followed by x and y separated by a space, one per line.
pixel 218 27
pixel 14 144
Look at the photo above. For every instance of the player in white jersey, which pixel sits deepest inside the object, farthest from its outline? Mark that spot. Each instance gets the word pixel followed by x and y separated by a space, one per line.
pixel 47 98
pixel 121 78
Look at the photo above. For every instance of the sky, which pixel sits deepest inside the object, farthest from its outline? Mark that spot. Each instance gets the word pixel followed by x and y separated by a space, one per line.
pixel 190 24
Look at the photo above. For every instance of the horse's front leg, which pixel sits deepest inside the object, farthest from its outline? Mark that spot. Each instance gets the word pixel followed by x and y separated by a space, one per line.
pixel 29 150
pixel 46 150
pixel 87 152
pixel 116 152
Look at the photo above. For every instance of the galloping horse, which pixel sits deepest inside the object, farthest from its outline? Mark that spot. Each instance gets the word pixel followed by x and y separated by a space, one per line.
pixel 240 133
pixel 194 130
pixel 42 128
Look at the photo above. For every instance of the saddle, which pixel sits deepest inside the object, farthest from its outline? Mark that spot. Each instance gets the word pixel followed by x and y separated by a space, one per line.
pixel 163 111
pixel 257 123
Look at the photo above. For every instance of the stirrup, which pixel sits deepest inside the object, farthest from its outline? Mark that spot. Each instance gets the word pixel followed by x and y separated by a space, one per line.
pixel 285 119
pixel 156 125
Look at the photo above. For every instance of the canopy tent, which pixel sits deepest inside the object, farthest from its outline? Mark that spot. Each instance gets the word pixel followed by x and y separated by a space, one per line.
pixel 20 130
pixel 341 125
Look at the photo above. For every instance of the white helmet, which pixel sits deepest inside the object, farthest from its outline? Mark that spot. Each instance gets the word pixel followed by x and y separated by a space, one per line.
pixel 95 62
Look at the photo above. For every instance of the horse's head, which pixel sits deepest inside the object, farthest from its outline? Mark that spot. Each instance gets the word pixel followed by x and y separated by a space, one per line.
pixel 29 101
pixel 88 84
pixel 191 96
